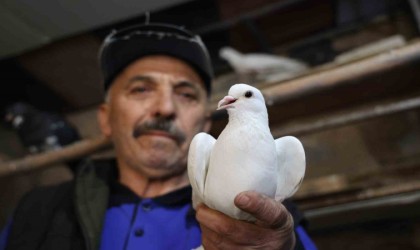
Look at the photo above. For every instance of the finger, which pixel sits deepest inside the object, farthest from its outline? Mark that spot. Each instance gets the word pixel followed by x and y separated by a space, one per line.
pixel 211 239
pixel 215 230
pixel 223 230
pixel 215 220
pixel 265 209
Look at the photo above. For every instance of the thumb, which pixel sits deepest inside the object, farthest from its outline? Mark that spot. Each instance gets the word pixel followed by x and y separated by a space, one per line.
pixel 265 209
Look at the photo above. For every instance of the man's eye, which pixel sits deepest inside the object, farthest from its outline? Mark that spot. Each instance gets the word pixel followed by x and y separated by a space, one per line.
pixel 139 90
pixel 188 95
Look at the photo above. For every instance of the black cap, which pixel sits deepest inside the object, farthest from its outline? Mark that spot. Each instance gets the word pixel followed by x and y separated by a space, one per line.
pixel 120 48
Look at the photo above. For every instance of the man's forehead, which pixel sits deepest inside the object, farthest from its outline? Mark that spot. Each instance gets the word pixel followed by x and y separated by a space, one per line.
pixel 157 78
pixel 157 66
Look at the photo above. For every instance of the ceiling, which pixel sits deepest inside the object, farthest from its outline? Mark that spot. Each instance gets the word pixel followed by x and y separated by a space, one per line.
pixel 27 24
pixel 48 49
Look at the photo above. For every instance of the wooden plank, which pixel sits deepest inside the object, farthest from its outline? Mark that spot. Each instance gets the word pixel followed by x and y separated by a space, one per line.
pixel 347 117
pixel 275 94
pixel 330 78
pixel 358 187
pixel 43 160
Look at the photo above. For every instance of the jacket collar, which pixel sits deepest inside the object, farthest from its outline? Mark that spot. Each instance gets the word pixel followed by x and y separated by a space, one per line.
pixel 95 182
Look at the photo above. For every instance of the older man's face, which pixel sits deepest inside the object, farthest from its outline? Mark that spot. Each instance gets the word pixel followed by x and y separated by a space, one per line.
pixel 154 109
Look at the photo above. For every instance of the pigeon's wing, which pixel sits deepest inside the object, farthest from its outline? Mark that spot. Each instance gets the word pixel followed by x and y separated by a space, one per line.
pixel 291 168
pixel 198 163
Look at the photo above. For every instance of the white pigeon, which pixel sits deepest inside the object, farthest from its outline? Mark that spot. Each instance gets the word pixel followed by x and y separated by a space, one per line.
pixel 244 157
pixel 260 63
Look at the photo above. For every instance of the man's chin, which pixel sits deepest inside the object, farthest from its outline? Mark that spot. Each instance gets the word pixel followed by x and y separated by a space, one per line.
pixel 160 155
pixel 160 170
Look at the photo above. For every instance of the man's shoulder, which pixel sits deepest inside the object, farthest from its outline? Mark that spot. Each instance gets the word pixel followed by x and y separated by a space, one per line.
pixel 40 198
pixel 45 194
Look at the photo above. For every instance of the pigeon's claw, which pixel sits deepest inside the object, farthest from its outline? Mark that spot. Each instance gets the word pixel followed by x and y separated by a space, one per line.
pixel 226 102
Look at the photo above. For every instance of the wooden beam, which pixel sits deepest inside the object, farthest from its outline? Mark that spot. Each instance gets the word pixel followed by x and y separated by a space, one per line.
pixel 334 77
pixel 275 94
pixel 347 117
pixel 44 160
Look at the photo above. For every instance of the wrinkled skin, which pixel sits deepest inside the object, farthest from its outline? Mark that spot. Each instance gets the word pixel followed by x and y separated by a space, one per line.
pixel 273 229
pixel 151 88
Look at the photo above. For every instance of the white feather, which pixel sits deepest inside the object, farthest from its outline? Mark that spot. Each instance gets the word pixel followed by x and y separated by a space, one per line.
pixel 260 63
pixel 244 157
pixel 291 166
pixel 199 157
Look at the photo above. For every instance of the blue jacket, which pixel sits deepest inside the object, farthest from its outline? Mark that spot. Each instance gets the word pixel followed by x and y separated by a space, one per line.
pixel 94 211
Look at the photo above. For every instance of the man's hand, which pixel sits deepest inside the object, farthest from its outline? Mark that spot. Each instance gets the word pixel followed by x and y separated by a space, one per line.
pixel 272 230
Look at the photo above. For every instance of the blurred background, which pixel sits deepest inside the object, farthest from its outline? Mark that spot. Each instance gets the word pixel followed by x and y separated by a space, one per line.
pixel 341 75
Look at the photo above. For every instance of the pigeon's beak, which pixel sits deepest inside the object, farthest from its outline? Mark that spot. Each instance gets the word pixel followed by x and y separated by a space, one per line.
pixel 225 102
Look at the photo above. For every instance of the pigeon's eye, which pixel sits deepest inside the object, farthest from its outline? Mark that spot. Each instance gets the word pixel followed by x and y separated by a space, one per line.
pixel 248 94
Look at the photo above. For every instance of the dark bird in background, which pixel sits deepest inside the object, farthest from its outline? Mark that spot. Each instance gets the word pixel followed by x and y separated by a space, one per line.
pixel 40 131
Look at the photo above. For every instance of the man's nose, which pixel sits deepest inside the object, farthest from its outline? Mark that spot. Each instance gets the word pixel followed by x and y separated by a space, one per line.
pixel 165 106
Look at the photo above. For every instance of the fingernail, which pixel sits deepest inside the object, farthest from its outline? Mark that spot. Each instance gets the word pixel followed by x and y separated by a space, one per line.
pixel 243 200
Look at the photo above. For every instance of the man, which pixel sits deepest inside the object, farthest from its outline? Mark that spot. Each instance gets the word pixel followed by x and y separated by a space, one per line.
pixel 157 79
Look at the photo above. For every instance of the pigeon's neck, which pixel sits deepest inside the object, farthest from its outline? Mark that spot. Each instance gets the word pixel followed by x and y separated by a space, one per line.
pixel 239 119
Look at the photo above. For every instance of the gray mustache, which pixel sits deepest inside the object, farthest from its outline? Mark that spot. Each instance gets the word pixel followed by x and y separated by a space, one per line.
pixel 160 124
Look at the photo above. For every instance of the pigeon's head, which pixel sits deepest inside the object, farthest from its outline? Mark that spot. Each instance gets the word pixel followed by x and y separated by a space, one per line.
pixel 228 52
pixel 16 113
pixel 244 98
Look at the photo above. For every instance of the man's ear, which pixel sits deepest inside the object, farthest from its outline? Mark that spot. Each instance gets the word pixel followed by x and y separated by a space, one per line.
pixel 103 119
